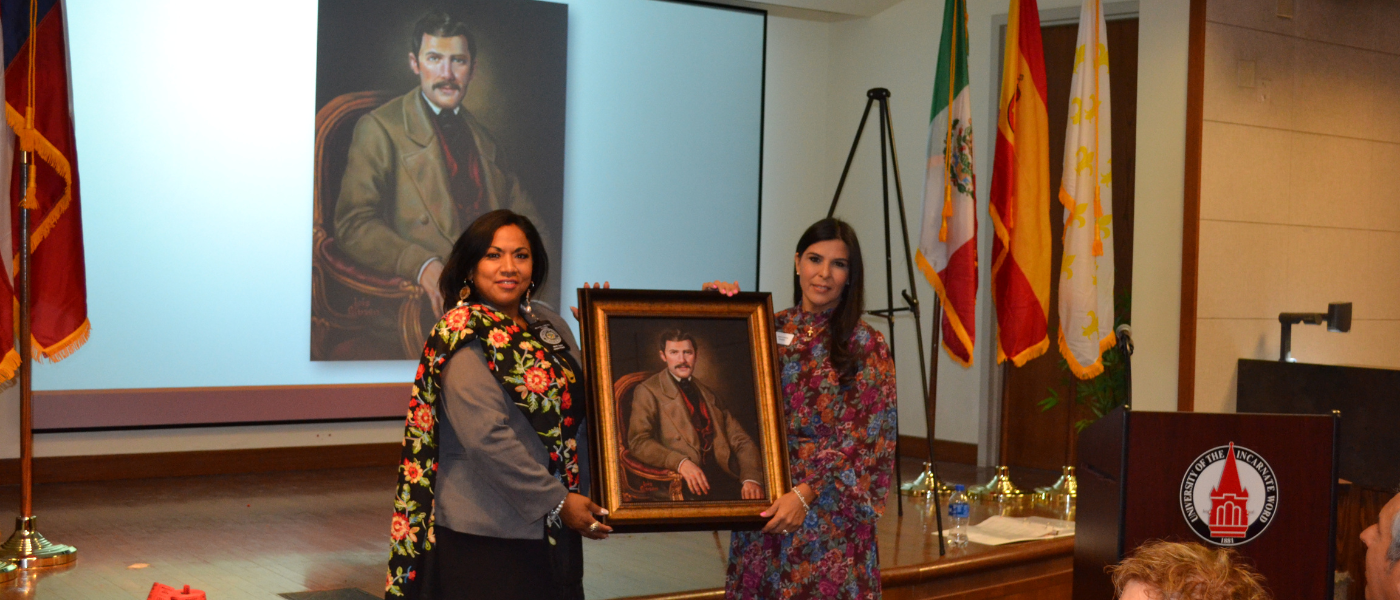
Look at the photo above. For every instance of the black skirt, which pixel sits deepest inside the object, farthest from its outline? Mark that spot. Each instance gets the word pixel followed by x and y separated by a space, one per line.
pixel 474 567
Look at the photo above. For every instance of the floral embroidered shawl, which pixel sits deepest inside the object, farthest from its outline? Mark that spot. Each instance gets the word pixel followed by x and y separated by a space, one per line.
pixel 534 378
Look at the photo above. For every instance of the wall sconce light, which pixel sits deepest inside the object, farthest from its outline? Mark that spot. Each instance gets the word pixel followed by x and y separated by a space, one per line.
pixel 1337 317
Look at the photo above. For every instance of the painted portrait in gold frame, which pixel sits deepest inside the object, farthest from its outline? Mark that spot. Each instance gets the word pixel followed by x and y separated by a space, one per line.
pixel 686 420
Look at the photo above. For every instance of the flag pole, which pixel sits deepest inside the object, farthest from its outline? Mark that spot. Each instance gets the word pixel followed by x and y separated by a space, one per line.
pixel 27 548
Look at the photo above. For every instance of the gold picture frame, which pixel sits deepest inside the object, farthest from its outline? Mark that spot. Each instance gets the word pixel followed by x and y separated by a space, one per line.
pixel 734 368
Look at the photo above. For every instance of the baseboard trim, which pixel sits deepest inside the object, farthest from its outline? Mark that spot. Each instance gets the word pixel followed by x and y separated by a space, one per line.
pixel 110 467
pixel 943 450
pixel 64 411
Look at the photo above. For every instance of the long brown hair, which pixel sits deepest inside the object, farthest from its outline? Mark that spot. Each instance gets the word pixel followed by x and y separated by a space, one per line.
pixel 848 312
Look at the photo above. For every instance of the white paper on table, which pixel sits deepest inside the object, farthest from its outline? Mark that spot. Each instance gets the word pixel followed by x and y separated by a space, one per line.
pixel 998 530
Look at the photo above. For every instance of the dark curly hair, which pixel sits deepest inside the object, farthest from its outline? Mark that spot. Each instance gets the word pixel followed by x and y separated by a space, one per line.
pixel 440 24
pixel 474 243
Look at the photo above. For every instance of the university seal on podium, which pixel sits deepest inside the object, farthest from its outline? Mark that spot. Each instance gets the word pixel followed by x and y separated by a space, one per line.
pixel 1229 502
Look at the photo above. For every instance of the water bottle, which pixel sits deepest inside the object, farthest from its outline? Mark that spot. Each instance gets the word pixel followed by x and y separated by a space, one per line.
pixel 959 512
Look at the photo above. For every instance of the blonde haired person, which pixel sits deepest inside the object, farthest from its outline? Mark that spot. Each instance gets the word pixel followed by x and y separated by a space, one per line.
pixel 1160 570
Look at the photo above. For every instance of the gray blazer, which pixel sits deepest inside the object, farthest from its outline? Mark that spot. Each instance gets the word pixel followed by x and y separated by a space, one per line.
pixel 493 476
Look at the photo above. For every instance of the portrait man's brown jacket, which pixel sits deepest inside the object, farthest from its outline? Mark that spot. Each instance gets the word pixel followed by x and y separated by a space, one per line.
pixel 395 211
pixel 659 432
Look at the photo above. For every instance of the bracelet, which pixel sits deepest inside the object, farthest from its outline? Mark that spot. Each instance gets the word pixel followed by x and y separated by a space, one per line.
pixel 805 507
pixel 554 514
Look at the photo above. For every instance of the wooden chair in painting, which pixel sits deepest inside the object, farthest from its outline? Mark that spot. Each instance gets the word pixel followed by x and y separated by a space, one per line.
pixel 640 482
pixel 341 290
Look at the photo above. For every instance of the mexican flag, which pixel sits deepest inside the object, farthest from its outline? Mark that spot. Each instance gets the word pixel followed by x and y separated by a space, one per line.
pixel 948 239
pixel 1086 191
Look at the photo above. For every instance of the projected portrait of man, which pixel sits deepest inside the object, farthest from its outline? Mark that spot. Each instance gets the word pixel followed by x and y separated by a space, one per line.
pixel 421 168
pixel 678 424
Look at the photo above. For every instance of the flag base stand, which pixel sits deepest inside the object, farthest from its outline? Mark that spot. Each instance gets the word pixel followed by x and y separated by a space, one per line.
pixel 1061 497
pixel 925 484
pixel 8 572
pixel 29 549
pixel 999 488
pixel 1067 485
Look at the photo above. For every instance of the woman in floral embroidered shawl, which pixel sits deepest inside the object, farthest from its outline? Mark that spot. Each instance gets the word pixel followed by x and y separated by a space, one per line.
pixel 487 504
pixel 839 388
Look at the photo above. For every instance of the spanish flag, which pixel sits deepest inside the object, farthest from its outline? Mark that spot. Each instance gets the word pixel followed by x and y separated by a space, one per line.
pixel 948 239
pixel 1020 202
pixel 37 109
pixel 1086 191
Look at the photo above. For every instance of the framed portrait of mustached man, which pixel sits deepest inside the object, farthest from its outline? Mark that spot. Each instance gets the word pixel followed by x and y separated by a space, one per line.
pixel 687 429
pixel 429 114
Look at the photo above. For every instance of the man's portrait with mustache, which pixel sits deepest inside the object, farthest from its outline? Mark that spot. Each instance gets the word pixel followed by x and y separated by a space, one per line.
pixel 678 423
pixel 421 167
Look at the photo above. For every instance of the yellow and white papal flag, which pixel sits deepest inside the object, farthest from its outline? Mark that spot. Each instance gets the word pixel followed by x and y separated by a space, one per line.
pixel 1086 191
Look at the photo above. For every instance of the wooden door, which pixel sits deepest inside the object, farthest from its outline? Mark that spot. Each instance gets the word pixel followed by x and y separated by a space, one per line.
pixel 1045 439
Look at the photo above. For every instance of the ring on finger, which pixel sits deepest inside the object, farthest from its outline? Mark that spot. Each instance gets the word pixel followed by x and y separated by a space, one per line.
pixel 594 527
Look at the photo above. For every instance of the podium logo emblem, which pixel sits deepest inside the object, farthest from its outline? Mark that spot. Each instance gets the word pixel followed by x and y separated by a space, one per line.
pixel 1229 495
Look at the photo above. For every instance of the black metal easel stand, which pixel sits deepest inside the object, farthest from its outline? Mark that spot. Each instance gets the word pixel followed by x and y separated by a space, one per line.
pixel 888 159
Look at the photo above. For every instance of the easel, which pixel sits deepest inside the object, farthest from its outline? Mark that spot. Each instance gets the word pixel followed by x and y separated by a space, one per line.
pixel 889 158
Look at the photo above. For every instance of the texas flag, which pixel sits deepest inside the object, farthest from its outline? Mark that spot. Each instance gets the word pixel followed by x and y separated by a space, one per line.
pixel 38 111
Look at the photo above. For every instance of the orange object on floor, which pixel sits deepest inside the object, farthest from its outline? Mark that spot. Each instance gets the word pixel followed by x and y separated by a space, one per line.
pixel 161 591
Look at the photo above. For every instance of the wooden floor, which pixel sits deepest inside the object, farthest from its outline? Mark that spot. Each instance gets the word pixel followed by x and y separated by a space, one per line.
pixel 256 536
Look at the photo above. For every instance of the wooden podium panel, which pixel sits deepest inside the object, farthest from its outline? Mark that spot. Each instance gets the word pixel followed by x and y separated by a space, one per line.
pixel 1141 472
pixel 1368 398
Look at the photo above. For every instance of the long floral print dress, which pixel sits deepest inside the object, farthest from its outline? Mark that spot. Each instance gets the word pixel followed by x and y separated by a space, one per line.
pixel 841 441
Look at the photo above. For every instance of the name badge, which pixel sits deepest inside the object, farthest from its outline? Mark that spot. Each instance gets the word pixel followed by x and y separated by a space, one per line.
pixel 545 333
pixel 785 339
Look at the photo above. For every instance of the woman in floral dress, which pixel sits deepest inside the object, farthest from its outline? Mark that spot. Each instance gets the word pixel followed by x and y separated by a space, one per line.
pixel 839 386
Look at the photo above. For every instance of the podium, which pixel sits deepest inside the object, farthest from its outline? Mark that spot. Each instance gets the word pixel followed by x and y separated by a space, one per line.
pixel 1366 396
pixel 1165 475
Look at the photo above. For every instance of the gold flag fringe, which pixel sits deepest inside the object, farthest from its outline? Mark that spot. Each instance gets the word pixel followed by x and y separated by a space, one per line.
pixel 954 319
pixel 1093 370
pixel 56 160
pixel 1026 355
pixel 9 367
pixel 65 347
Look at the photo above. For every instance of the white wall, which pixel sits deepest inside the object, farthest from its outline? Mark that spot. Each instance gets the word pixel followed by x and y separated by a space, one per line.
pixel 817 75
pixel 796 181
pixel 895 49
pixel 793 175
pixel 1163 37
pixel 1301 144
